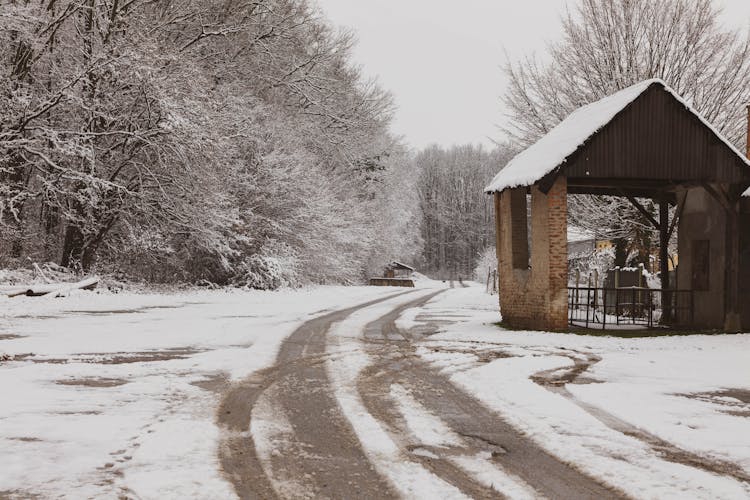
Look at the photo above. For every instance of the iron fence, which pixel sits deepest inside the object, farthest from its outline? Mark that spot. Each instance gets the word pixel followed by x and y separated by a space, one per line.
pixel 592 307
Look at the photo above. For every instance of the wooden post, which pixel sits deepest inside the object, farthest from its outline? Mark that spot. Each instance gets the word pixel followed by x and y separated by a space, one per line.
pixel 640 275
pixel 730 202
pixel 596 289
pixel 732 312
pixel 617 277
pixel 641 285
pixel 666 302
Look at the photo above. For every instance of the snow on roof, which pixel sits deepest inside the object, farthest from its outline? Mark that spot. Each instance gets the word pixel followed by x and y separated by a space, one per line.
pixel 396 263
pixel 746 193
pixel 553 149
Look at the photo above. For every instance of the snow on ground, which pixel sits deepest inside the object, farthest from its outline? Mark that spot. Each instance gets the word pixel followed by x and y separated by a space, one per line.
pixel 115 394
pixel 429 430
pixel 408 477
pixel 272 435
pixel 690 391
pixel 344 366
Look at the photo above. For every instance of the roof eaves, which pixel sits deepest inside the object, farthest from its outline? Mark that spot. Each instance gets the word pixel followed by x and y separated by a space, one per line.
pixel 637 90
pixel 551 173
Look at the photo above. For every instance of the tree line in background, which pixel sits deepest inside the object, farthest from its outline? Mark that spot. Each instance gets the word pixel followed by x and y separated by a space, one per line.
pixel 235 142
pixel 457 217
pixel 607 46
pixel 180 140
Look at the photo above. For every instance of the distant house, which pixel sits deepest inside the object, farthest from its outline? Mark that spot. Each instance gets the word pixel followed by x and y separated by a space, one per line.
pixel 581 243
pixel 398 270
pixel 604 244
pixel 395 274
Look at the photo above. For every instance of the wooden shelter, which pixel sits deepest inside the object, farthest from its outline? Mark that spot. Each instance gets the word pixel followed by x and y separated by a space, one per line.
pixel 642 142
pixel 398 270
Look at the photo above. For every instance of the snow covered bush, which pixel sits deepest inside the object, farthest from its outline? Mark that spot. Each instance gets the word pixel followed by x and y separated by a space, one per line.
pixel 143 146
pixel 262 273
pixel 599 262
pixel 276 267
pixel 487 262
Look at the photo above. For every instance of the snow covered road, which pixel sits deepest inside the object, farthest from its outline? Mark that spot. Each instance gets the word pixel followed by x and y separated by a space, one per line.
pixel 357 392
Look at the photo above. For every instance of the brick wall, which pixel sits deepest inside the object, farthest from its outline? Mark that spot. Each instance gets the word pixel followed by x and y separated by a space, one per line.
pixel 534 298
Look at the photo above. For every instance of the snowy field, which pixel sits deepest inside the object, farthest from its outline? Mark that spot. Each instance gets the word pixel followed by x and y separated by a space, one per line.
pixel 116 395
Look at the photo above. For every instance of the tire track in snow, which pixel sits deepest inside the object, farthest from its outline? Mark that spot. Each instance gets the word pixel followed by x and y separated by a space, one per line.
pixel 318 454
pixel 333 464
pixel 556 381
pixel 483 430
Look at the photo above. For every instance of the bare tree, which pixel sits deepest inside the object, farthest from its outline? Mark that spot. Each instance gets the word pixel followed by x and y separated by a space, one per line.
pixel 611 44
pixel 456 215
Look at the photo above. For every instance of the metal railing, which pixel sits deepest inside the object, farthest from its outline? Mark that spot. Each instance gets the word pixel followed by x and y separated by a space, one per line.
pixel 591 307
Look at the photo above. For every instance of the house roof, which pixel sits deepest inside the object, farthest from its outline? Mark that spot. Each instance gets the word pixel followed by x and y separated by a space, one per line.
pixel 557 147
pixel 395 264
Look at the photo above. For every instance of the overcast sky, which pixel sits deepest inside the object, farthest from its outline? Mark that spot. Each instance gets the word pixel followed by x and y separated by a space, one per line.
pixel 441 59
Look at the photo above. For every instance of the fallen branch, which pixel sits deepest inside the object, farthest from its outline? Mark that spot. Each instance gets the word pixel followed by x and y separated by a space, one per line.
pixel 86 284
pixel 49 289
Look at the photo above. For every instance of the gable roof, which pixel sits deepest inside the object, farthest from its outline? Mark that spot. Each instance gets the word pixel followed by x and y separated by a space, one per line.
pixel 398 265
pixel 554 149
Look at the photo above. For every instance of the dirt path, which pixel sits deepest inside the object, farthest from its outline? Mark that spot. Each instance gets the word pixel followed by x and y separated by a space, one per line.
pixel 314 451
pixel 482 431
pixel 326 454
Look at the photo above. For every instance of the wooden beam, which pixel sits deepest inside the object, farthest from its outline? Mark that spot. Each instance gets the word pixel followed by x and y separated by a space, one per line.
pixel 664 261
pixel 634 184
pixel 720 196
pixel 680 207
pixel 635 193
pixel 643 211
pixel 545 183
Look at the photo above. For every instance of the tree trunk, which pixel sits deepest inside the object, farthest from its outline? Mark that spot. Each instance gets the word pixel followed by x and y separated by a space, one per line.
pixel 621 252
pixel 72 247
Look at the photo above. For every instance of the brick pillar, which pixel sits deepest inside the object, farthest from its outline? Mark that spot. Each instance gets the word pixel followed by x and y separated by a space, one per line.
pixel 498 241
pixel 557 225
pixel 535 298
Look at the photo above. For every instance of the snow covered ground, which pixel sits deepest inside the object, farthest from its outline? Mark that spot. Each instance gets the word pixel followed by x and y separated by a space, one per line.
pixel 115 394
pixel 639 411
pixel 112 395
